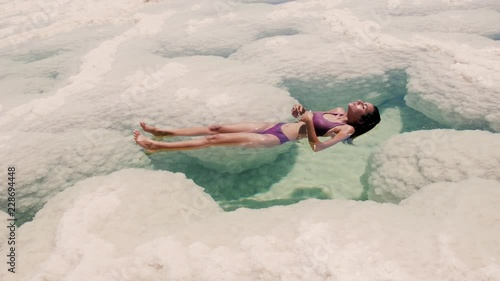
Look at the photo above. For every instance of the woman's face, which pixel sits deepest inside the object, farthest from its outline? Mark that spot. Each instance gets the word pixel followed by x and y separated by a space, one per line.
pixel 355 110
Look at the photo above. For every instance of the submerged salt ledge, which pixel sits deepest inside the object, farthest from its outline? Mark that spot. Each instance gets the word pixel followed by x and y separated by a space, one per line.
pixel 405 163
pixel 184 235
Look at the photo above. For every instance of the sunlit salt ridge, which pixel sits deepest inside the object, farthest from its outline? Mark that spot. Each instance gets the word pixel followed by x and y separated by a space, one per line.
pixel 405 163
pixel 35 71
pixel 414 8
pixel 182 234
pixel 22 21
pixel 95 64
pixel 208 34
pixel 477 21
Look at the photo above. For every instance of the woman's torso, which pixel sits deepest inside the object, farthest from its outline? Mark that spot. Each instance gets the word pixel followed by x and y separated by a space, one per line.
pixel 325 123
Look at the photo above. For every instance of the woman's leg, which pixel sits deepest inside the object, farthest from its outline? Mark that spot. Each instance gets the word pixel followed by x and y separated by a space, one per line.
pixel 211 130
pixel 243 139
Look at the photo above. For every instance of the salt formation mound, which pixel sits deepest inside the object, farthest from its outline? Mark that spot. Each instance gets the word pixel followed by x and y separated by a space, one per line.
pixel 405 163
pixel 29 19
pixel 47 163
pixel 106 212
pixel 181 234
pixel 463 84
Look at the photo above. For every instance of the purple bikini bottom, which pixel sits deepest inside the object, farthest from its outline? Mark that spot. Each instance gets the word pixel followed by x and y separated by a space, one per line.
pixel 277 132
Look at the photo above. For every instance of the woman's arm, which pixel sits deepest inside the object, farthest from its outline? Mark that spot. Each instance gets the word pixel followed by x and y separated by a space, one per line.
pixel 314 142
pixel 340 136
pixel 311 132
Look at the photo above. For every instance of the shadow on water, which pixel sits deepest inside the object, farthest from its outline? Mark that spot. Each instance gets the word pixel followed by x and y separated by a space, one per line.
pixel 298 195
pixel 413 120
pixel 276 32
pixel 224 186
pixel 37 55
pixel 495 36
pixel 168 52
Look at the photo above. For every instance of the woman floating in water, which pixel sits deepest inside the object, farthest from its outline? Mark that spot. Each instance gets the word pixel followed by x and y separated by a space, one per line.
pixel 360 118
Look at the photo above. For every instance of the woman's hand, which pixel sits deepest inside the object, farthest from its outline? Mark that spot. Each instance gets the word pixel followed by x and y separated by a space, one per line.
pixel 306 116
pixel 297 110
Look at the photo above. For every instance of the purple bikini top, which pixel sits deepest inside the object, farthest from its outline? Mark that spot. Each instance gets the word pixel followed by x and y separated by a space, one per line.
pixel 321 125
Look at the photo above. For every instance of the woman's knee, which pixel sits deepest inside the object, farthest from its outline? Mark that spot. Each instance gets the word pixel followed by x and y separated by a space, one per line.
pixel 215 129
pixel 212 139
pixel 225 139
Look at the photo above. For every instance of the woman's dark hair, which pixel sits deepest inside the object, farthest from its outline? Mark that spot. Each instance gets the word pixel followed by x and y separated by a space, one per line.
pixel 368 122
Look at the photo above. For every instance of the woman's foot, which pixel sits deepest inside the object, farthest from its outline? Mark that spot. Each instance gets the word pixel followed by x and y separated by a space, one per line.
pixel 146 143
pixel 153 130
